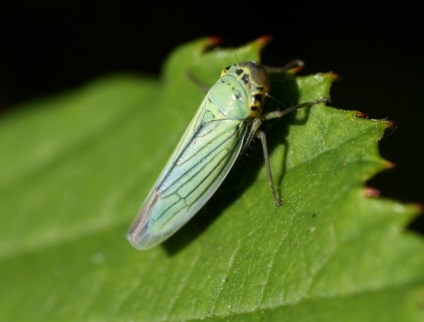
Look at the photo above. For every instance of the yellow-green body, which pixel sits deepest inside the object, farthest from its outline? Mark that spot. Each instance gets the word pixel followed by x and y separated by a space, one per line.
pixel 218 133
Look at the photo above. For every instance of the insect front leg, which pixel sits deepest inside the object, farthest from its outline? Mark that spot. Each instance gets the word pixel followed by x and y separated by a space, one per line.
pixel 277 114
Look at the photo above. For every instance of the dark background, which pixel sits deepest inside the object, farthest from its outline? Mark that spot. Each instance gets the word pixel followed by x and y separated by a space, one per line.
pixel 48 47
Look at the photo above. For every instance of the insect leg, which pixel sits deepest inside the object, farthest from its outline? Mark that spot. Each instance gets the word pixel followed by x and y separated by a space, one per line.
pixel 261 135
pixel 295 63
pixel 277 114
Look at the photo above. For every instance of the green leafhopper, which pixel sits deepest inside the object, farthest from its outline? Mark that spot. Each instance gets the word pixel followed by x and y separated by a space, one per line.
pixel 227 120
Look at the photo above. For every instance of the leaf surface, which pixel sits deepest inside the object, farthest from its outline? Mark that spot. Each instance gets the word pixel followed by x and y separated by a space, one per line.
pixel 75 169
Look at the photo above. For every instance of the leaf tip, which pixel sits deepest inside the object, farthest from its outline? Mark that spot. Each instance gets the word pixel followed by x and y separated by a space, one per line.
pixel 389 164
pixel 391 124
pixel 417 207
pixel 333 76
pixel 263 40
pixel 371 192
pixel 361 115
pixel 213 41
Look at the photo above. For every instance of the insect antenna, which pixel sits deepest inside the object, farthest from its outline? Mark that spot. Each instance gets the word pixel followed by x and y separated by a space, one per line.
pixel 204 87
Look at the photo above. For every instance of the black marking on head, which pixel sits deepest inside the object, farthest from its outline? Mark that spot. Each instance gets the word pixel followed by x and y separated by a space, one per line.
pixel 239 71
pixel 257 98
pixel 245 79
pixel 254 108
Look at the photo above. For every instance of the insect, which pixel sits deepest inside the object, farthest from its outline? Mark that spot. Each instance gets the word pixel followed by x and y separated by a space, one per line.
pixel 225 123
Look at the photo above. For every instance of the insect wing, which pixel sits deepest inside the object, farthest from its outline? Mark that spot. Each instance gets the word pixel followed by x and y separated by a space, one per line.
pixel 197 167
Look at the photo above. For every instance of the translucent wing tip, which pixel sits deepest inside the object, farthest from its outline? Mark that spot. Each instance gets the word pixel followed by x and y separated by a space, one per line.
pixel 139 234
pixel 140 238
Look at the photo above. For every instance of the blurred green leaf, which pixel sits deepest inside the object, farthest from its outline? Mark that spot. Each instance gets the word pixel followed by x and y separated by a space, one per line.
pixel 76 168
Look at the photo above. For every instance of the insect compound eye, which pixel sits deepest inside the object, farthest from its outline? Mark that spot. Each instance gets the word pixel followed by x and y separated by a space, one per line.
pixel 260 77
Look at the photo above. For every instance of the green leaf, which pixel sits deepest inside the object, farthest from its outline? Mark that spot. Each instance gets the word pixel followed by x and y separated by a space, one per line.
pixel 75 169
